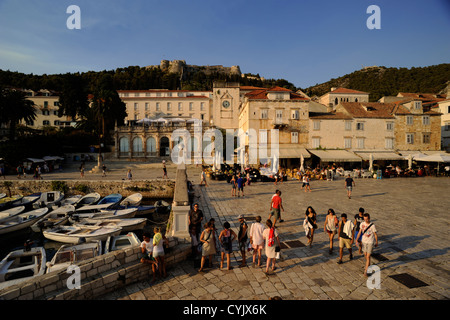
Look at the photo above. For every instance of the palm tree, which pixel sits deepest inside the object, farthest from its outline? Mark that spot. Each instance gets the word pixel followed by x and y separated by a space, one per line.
pixel 14 108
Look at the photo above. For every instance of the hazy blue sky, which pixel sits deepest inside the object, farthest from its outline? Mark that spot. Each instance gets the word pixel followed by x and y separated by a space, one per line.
pixel 304 42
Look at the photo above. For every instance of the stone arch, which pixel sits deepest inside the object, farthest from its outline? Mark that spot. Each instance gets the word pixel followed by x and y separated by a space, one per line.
pixel 164 146
pixel 124 145
pixel 151 146
pixel 137 146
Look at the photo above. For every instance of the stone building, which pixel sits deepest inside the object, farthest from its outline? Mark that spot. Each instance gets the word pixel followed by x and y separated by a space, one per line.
pixel 276 108
pixel 337 95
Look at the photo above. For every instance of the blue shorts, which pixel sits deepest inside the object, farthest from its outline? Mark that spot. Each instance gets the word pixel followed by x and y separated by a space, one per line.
pixel 356 235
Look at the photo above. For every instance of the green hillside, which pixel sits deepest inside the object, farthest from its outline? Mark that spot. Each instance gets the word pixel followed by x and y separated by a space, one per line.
pixel 382 81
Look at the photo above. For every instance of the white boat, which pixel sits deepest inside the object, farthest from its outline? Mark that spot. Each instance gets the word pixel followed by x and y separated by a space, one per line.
pixel 120 242
pixel 57 217
pixel 71 200
pixel 2 195
pixel 21 265
pixel 162 207
pixel 69 254
pixel 103 214
pixel 79 234
pixel 49 199
pixel 88 199
pixel 11 212
pixel 127 225
pixel 134 199
pixel 22 220
pixel 94 208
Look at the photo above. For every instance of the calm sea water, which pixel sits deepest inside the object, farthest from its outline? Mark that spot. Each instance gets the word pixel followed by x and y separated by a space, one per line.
pixel 16 240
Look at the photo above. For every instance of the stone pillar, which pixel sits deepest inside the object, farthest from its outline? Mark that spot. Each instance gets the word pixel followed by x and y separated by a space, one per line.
pixel 181 206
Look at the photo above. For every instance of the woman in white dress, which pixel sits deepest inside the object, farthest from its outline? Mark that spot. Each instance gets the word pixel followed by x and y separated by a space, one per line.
pixel 270 236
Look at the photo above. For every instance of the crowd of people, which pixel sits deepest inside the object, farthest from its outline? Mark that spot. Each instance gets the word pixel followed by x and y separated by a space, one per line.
pixel 259 237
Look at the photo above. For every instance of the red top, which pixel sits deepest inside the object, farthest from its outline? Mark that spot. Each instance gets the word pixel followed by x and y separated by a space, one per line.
pixel 276 201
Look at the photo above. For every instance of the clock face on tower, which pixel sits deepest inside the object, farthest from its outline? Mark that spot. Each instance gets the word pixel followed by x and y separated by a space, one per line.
pixel 226 104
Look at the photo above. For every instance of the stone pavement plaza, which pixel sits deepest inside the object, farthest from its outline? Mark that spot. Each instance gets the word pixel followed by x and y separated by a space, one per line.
pixel 413 231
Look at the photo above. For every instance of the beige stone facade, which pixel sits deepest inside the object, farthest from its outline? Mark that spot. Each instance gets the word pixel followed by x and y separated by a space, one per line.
pixel 277 108
pixel 337 95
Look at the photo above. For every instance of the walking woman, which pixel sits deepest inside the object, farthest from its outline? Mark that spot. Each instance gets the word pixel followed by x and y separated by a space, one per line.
pixel 311 223
pixel 209 245
pixel 272 241
pixel 330 226
pixel 226 238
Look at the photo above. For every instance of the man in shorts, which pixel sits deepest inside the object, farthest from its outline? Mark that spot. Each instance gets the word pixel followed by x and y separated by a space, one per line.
pixel 275 206
pixel 240 185
pixel 346 236
pixel 369 239
pixel 349 183
pixel 256 239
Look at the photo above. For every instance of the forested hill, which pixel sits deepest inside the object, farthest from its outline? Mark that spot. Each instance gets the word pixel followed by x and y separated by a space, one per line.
pixel 137 78
pixel 382 81
pixel 378 81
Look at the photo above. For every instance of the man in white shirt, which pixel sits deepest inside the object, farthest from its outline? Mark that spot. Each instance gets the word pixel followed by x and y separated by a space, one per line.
pixel 256 239
pixel 369 239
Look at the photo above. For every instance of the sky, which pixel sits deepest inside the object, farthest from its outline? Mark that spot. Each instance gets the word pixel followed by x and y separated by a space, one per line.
pixel 303 41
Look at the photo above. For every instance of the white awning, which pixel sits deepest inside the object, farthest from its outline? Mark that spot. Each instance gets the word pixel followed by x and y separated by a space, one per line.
pixel 380 156
pixel 335 155
pixel 293 151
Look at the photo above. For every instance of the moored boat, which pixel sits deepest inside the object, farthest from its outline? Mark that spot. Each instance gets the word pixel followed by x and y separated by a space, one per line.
pixel 27 202
pixel 22 220
pixel 120 242
pixel 127 225
pixel 71 200
pixel 89 199
pixel 21 265
pixel 113 198
pixel 49 199
pixel 7 202
pixel 134 200
pixel 69 254
pixel 11 212
pixel 103 214
pixel 59 216
pixel 79 234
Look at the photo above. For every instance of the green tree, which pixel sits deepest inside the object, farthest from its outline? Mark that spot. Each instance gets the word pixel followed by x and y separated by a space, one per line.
pixel 73 100
pixel 15 107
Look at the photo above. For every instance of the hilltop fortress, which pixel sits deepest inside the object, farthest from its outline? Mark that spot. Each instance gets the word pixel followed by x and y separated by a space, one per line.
pixel 180 66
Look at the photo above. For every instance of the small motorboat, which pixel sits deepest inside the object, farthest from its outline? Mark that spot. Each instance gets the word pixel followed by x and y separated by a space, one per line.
pixel 71 200
pixel 69 254
pixel 94 208
pixel 89 199
pixel 7 202
pixel 27 202
pixel 103 214
pixel 80 234
pixel 141 210
pixel 11 212
pixel 21 220
pixel 49 199
pixel 120 242
pixel 162 207
pixel 59 216
pixel 2 195
pixel 113 198
pixel 134 200
pixel 127 225
pixel 21 265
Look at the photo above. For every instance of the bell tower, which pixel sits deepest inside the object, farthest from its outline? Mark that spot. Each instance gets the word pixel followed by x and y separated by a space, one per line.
pixel 225 113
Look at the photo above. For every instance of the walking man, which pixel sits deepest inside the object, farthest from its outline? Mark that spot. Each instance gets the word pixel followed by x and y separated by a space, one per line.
pixel 369 239
pixel 276 206
pixel 164 170
pixel 346 236
pixel 349 183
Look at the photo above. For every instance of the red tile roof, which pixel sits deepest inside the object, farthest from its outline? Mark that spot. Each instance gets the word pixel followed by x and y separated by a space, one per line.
pixel 372 110
pixel 345 90
pixel 261 94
